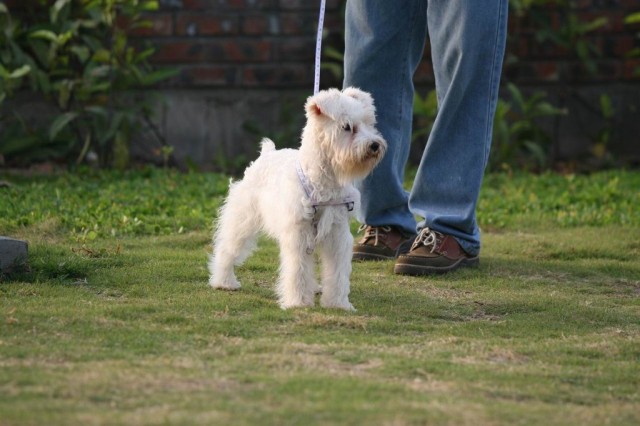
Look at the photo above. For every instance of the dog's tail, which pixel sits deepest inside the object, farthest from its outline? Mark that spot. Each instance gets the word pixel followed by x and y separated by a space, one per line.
pixel 267 145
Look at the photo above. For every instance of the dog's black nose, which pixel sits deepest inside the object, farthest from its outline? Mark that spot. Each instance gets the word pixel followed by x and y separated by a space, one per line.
pixel 374 147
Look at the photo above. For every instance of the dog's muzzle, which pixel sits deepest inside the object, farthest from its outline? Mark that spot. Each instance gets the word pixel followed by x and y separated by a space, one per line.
pixel 375 149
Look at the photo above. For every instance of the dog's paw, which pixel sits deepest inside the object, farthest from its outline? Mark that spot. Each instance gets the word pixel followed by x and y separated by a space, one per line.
pixel 284 305
pixel 339 305
pixel 229 284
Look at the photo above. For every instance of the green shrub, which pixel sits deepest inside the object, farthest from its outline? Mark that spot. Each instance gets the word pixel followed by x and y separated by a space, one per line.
pixel 634 19
pixel 76 56
pixel 518 139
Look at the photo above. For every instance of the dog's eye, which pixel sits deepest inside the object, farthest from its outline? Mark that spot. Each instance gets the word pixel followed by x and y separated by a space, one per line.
pixel 348 128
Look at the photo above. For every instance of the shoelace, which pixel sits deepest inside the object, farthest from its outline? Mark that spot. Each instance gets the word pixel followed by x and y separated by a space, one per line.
pixel 427 237
pixel 373 231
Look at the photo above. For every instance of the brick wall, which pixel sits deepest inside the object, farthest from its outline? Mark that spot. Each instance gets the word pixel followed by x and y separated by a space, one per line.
pixel 239 43
pixel 545 62
pixel 271 43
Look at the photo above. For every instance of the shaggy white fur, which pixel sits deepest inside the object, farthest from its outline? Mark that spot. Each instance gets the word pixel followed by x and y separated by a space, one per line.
pixel 339 145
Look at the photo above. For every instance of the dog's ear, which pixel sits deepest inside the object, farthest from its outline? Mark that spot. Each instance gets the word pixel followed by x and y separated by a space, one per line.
pixel 312 107
pixel 363 97
pixel 325 103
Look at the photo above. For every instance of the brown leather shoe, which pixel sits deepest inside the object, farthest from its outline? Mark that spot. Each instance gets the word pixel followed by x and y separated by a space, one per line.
pixel 433 253
pixel 381 243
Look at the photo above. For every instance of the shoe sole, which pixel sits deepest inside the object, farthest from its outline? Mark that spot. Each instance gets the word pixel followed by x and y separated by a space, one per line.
pixel 413 269
pixel 365 257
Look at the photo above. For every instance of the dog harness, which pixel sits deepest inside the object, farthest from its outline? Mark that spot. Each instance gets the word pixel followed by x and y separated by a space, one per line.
pixel 348 202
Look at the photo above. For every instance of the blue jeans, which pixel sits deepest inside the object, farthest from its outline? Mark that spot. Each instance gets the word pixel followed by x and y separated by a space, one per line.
pixel 384 45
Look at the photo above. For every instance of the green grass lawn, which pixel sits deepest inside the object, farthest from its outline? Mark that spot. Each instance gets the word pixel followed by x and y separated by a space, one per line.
pixel 114 322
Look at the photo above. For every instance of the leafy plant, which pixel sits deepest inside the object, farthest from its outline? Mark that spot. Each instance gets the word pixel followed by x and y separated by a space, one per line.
pixel 78 59
pixel 517 137
pixel 286 134
pixel 425 109
pixel 632 19
pixel 522 7
pixel 600 147
pixel 571 36
pixel 333 62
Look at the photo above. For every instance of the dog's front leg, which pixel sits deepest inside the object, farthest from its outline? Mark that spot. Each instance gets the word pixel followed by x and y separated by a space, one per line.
pixel 297 283
pixel 335 256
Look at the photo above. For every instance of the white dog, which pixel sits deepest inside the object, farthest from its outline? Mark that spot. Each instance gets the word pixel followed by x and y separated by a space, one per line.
pixel 303 199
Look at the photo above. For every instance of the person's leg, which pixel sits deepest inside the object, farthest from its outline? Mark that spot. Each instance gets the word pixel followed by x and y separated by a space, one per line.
pixel 384 42
pixel 467 48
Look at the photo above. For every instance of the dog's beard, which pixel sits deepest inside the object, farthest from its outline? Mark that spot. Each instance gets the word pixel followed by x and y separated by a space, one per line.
pixel 356 164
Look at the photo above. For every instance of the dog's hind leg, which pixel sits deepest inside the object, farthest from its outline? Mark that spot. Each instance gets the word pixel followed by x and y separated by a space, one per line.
pixel 297 282
pixel 235 238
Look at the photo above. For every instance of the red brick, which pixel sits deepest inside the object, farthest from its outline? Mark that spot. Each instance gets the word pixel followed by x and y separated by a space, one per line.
pixel 629 5
pixel 261 4
pixel 210 75
pixel 193 24
pixel 617 46
pixel 211 4
pixel 631 70
pixel 248 51
pixel 279 75
pixel 606 70
pixel 177 52
pixel 547 71
pixel 582 4
pixel 227 4
pixel 545 50
pixel 213 51
pixel 291 49
pixel 307 4
pixel 299 23
pixel 256 25
pixel 157 24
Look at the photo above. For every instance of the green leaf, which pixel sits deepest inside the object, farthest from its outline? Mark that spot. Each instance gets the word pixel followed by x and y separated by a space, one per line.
pixel 88 23
pixel 64 89
pixel 42 81
pixel 537 151
pixel 19 144
pixel 606 107
pixel 634 18
pixel 20 72
pixel 45 34
pixel 102 55
pixel 100 71
pixel 57 8
pixel 633 52
pixel 60 123
pixel 144 55
pixel 516 94
pixel 97 110
pixel 81 52
pixel 333 53
pixel 150 5
pixel 158 76
pixel 595 24
pixel 114 126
